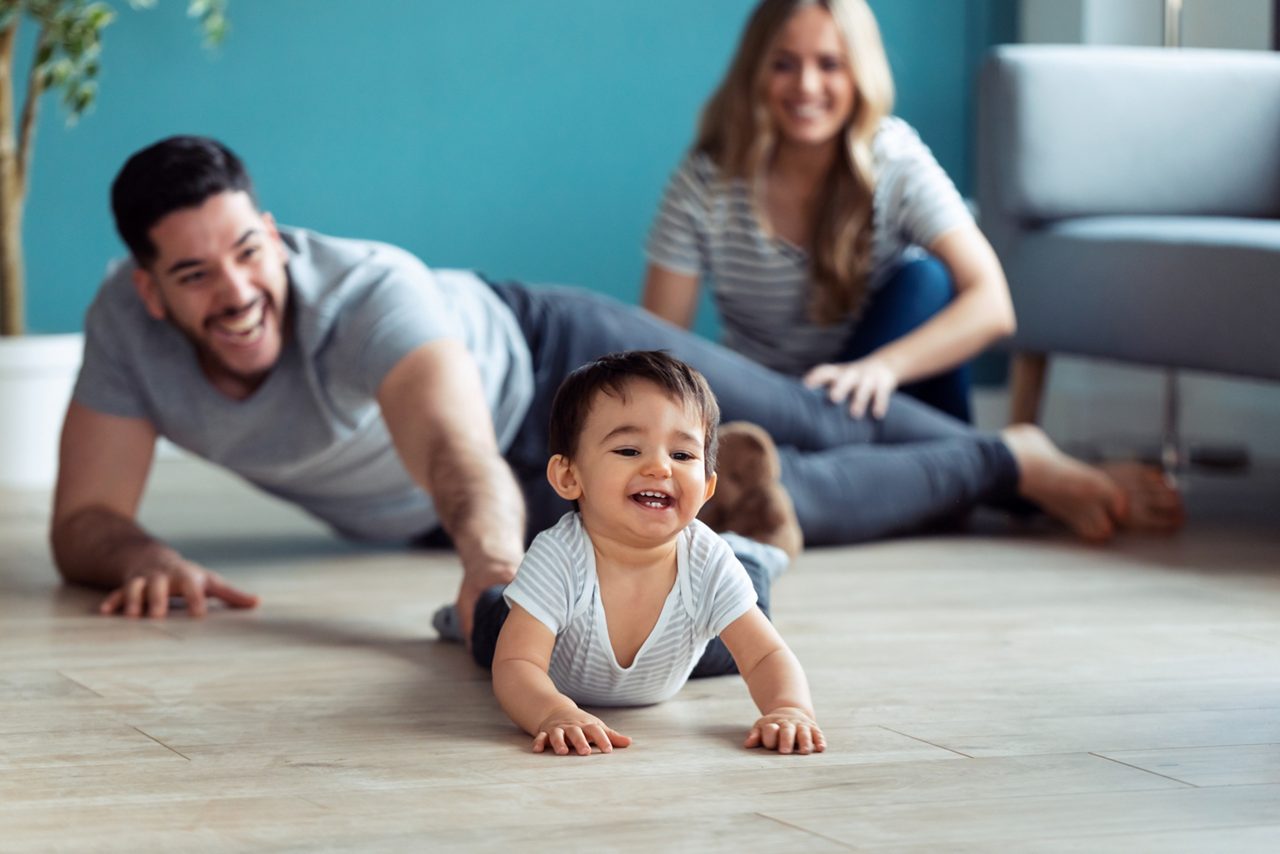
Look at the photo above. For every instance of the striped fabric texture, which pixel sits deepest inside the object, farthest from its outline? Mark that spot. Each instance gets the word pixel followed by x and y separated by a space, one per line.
pixel 558 585
pixel 707 226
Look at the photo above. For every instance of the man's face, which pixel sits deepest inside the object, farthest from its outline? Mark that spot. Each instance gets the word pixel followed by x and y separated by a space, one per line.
pixel 219 277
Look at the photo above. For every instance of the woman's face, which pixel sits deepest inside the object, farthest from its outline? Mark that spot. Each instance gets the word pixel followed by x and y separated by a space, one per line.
pixel 809 87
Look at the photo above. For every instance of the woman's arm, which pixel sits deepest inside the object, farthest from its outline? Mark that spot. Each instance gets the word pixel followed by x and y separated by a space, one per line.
pixel 980 314
pixel 670 295
pixel 529 697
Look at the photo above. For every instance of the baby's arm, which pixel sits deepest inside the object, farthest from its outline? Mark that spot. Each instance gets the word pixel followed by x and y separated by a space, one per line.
pixel 527 694
pixel 777 684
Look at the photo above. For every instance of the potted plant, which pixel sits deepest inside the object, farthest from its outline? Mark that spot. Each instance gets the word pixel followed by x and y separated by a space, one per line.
pixel 36 372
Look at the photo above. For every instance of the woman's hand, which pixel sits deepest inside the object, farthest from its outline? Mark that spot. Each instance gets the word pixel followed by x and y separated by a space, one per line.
pixel 870 380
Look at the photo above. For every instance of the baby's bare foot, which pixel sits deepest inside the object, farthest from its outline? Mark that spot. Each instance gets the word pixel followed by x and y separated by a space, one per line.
pixel 750 499
pixel 1085 498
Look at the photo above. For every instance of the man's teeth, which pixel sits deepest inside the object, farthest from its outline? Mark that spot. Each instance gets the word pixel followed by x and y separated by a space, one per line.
pixel 244 322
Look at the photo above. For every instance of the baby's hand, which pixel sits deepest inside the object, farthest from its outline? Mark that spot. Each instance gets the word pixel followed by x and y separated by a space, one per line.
pixel 786 730
pixel 565 728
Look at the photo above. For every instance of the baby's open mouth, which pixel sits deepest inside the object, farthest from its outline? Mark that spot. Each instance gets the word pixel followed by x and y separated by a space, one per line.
pixel 651 499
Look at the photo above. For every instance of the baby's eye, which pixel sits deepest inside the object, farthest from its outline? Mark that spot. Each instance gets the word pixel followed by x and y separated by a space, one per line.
pixel 627 452
pixel 683 456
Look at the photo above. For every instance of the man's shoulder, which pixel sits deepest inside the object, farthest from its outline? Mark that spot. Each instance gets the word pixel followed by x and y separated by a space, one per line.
pixel 319 263
pixel 116 300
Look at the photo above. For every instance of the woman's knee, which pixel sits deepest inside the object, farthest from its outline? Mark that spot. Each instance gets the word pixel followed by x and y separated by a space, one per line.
pixel 921 288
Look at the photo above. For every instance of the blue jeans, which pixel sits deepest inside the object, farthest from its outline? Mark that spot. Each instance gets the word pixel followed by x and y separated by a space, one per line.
pixel 851 479
pixel 915 292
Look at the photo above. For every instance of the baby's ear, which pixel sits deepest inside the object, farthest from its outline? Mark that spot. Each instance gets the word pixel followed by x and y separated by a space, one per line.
pixel 711 488
pixel 563 479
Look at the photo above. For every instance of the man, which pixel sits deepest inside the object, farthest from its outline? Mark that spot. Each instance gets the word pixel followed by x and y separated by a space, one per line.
pixel 393 402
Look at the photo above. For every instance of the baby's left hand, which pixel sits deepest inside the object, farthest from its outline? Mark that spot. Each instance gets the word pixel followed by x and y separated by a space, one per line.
pixel 787 730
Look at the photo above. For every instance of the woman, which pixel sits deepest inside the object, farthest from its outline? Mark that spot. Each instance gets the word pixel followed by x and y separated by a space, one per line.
pixel 838 250
pixel 836 246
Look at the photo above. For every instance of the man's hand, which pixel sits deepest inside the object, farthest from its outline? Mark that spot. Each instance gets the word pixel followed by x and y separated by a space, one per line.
pixel 434 406
pixel 869 381
pixel 146 592
pixel 571 728
pixel 475 581
pixel 787 730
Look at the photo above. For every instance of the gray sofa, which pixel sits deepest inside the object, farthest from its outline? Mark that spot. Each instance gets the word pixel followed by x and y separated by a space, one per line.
pixel 1133 196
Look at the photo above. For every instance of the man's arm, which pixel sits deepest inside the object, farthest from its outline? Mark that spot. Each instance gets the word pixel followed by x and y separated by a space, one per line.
pixel 434 407
pixel 96 541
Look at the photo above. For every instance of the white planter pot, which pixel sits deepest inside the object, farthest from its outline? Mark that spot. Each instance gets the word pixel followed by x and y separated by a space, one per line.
pixel 37 373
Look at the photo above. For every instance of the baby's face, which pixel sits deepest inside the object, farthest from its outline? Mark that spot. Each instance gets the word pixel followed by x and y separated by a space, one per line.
pixel 639 470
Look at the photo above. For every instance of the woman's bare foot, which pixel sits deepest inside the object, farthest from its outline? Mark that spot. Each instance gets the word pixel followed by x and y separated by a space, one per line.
pixel 1154 503
pixel 750 499
pixel 1092 501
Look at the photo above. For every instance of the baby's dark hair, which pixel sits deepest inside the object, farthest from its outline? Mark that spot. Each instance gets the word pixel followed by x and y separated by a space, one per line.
pixel 612 374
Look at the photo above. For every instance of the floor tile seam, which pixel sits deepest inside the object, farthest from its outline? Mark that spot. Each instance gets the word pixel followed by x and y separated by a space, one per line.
pixel 990 842
pixel 804 830
pixel 1057 796
pixel 1208 747
pixel 159 742
pixel 1049 717
pixel 1144 770
pixel 80 684
pixel 924 741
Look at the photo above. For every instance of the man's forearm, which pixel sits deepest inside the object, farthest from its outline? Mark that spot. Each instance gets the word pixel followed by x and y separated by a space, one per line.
pixel 482 509
pixel 96 547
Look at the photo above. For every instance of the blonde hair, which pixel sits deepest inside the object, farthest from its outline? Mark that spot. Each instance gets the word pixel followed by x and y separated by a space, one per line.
pixel 736 132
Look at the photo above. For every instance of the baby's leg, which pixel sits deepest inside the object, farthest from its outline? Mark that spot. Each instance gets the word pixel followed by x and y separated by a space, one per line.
pixel 491 612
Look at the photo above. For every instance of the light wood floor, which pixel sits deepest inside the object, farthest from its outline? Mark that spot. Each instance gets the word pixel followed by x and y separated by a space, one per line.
pixel 990 691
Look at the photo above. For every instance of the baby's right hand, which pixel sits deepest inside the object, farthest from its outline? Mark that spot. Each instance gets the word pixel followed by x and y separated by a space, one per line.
pixel 565 728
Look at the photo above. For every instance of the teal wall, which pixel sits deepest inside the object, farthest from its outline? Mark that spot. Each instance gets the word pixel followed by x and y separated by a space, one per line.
pixel 527 139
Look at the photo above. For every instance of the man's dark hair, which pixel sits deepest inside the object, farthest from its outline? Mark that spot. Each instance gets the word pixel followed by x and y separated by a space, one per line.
pixel 174 173
pixel 612 374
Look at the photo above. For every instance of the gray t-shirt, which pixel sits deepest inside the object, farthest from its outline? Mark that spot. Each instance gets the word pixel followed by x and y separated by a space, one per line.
pixel 707 226
pixel 557 584
pixel 312 433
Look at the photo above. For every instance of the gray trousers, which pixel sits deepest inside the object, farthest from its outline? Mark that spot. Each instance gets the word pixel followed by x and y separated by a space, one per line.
pixel 852 480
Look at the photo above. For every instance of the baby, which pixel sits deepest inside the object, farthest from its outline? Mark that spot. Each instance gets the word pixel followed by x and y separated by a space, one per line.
pixel 615 604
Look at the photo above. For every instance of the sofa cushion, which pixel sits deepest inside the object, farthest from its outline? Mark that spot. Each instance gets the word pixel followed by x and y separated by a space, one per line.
pixel 1199 292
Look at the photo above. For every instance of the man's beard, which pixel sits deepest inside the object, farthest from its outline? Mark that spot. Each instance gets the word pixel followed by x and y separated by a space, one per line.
pixel 211 362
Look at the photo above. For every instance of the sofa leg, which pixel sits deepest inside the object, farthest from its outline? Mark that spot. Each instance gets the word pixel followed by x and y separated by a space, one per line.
pixel 1026 385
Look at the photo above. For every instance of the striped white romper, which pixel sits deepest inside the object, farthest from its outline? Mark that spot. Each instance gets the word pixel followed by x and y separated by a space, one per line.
pixel 558 586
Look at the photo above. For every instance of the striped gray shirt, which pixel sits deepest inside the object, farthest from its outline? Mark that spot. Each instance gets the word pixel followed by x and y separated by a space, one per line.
pixel 707 226
pixel 558 585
